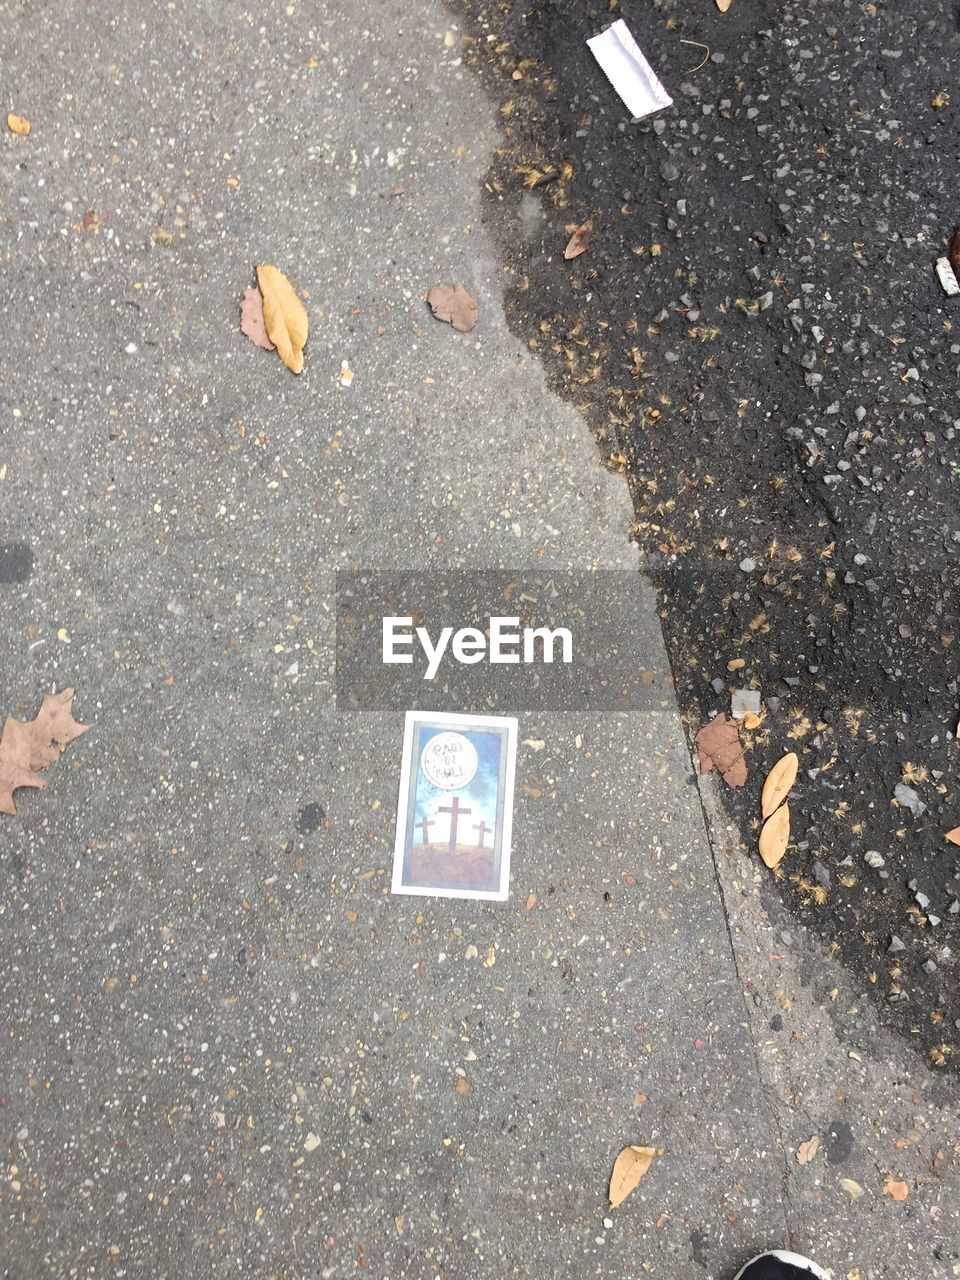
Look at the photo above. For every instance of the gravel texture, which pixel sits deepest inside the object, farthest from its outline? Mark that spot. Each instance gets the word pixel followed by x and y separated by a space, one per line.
pixel 226 1050
pixel 760 342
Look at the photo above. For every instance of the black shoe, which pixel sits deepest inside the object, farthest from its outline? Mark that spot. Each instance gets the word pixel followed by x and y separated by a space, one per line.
pixel 778 1264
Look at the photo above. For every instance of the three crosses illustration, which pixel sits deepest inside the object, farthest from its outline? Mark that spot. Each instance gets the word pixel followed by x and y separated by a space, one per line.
pixel 456 812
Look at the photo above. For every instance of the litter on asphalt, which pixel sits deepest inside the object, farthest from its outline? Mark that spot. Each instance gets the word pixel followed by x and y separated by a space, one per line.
pixel 628 70
pixel 947 277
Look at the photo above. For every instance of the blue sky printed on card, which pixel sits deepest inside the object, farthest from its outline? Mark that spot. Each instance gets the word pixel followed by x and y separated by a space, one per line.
pixel 479 795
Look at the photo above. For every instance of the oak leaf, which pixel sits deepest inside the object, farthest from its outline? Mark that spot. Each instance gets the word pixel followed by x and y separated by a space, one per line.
pixel 252 324
pixel 629 1167
pixel 580 241
pixel 452 303
pixel 19 125
pixel 718 744
pixel 775 836
pixel 778 782
pixel 27 747
pixel 284 315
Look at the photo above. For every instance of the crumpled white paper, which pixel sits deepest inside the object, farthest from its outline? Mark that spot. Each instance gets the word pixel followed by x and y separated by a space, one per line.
pixel 628 70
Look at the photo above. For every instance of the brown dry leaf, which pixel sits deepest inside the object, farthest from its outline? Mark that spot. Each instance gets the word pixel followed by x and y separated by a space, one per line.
pixel 252 324
pixel 452 303
pixel 778 782
pixel 462 1085
pixel 953 836
pixel 27 747
pixel 284 315
pixel 724 5
pixel 630 1166
pixel 719 746
pixel 580 241
pixel 807 1150
pixel 775 836
pixel 19 125
pixel 895 1190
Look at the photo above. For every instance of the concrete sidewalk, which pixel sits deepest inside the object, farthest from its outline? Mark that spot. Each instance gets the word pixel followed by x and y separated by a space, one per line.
pixel 226 1049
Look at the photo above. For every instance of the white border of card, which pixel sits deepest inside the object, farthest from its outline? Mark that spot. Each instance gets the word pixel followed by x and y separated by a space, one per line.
pixel 410 777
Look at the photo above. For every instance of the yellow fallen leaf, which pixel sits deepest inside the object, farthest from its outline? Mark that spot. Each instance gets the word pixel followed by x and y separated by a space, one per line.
pixel 778 782
pixel 853 1189
pixel 775 836
pixel 18 124
pixel 807 1150
pixel 953 836
pixel 895 1190
pixel 630 1166
pixel 284 316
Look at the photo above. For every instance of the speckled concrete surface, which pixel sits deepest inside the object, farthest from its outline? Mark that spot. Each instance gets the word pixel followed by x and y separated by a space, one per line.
pixel 225 1048
pixel 830 1071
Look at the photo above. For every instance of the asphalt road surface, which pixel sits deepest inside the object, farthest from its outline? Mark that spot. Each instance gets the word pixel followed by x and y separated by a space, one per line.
pixel 759 340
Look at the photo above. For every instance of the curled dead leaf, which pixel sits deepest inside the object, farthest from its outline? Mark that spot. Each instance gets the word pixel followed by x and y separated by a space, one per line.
pixel 718 744
pixel 895 1190
pixel 19 125
pixel 953 836
pixel 452 303
pixel 775 836
pixel 807 1150
pixel 778 782
pixel 252 324
pixel 284 316
pixel 580 241
pixel 629 1167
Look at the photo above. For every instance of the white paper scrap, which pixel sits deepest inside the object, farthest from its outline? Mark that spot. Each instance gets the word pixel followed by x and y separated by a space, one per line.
pixel 947 277
pixel 628 70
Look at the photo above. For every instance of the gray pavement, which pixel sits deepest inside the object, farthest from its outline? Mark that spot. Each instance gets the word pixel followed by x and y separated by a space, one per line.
pixel 226 1049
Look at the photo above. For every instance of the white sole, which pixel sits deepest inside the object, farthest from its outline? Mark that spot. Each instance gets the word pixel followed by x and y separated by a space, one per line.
pixel 795 1259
